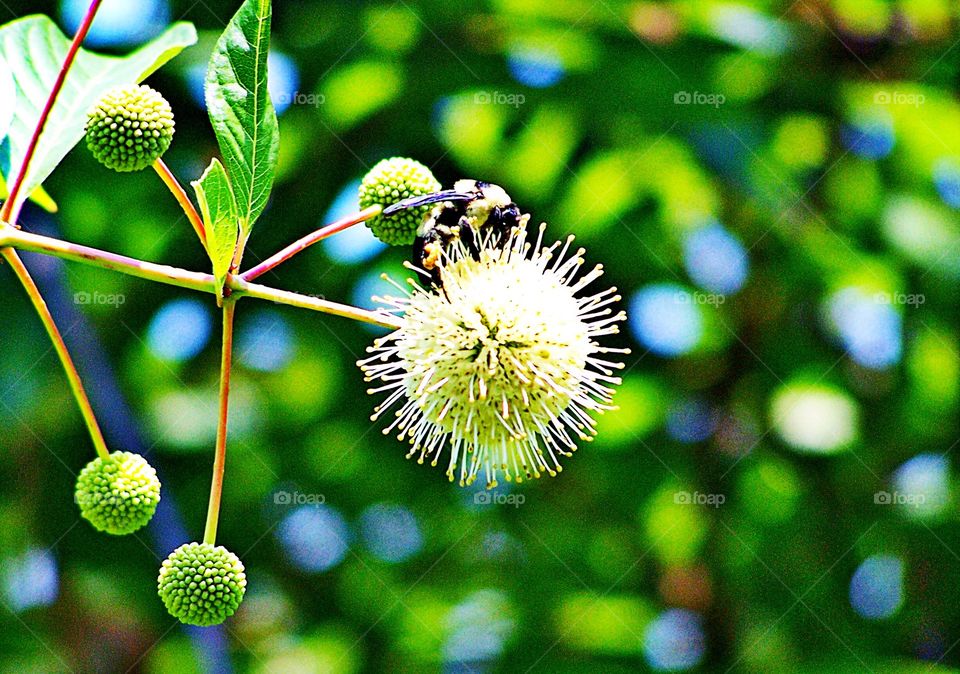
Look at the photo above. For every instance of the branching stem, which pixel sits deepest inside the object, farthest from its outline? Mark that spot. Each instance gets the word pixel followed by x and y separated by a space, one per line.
pixel 11 237
pixel 313 237
pixel 10 212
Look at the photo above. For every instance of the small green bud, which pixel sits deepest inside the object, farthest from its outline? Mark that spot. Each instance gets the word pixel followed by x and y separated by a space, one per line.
pixel 118 495
pixel 390 181
pixel 129 128
pixel 201 584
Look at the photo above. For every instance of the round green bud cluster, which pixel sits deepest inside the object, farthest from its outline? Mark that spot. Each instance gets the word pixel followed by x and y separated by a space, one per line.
pixel 130 128
pixel 390 181
pixel 118 495
pixel 201 584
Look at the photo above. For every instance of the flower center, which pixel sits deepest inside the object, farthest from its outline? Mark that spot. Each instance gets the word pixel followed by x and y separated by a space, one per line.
pixel 507 344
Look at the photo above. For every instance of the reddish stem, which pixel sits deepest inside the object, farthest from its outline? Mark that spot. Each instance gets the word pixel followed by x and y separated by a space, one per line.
pixel 301 244
pixel 220 457
pixel 73 377
pixel 170 180
pixel 11 209
pixel 10 212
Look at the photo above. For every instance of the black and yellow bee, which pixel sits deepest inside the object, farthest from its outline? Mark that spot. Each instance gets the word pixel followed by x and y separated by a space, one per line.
pixel 474 212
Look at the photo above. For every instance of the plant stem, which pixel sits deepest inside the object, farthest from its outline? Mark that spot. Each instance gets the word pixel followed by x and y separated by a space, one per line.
pixel 220 457
pixel 86 410
pixel 170 180
pixel 302 244
pixel 69 251
pixel 10 212
pixel 182 278
pixel 244 289
pixel 11 209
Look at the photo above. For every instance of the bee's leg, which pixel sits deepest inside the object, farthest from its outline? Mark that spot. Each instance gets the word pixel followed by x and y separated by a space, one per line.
pixel 470 238
pixel 493 225
pixel 511 219
pixel 417 254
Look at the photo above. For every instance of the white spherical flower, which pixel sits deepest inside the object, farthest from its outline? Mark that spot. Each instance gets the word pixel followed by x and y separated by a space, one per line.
pixel 501 364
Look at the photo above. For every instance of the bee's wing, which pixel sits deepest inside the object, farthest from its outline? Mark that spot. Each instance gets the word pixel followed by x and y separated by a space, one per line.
pixel 414 202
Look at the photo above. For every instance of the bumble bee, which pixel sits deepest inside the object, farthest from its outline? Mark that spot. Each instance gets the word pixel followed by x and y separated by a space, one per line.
pixel 474 213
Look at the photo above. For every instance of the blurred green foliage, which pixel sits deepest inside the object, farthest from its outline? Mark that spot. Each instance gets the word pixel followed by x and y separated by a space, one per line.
pixel 823 135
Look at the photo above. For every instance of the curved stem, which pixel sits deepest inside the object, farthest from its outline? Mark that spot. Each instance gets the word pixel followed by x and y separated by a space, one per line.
pixel 10 212
pixel 11 208
pixel 182 278
pixel 313 237
pixel 243 289
pixel 220 456
pixel 170 180
pixel 83 402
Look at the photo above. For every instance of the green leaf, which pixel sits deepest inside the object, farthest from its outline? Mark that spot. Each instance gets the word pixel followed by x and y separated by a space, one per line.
pixel 34 48
pixel 8 97
pixel 219 210
pixel 240 109
pixel 39 196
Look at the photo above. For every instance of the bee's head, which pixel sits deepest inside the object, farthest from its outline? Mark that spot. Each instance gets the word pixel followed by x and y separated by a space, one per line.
pixel 492 195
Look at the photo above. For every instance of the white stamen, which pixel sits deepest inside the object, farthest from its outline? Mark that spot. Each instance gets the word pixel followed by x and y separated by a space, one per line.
pixel 501 364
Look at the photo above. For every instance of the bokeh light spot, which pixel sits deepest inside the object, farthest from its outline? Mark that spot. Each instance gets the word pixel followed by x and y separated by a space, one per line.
pixel 179 330
pixel 118 22
pixel 814 418
pixel 675 641
pixel 356 244
pixel 265 341
pixel 283 81
pixel 535 68
pixel 946 178
pixel 715 259
pixel 921 485
pixel 665 319
pixel 868 326
pixel 690 421
pixel 390 532
pixel 30 579
pixel 478 627
pixel 870 138
pixel 876 588
pixel 315 537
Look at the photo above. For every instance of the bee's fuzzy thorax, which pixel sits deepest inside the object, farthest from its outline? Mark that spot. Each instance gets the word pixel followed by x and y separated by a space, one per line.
pixel 489 196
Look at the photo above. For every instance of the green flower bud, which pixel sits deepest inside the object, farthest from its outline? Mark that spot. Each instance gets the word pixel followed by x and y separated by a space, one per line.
pixel 201 584
pixel 118 495
pixel 130 128
pixel 390 181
